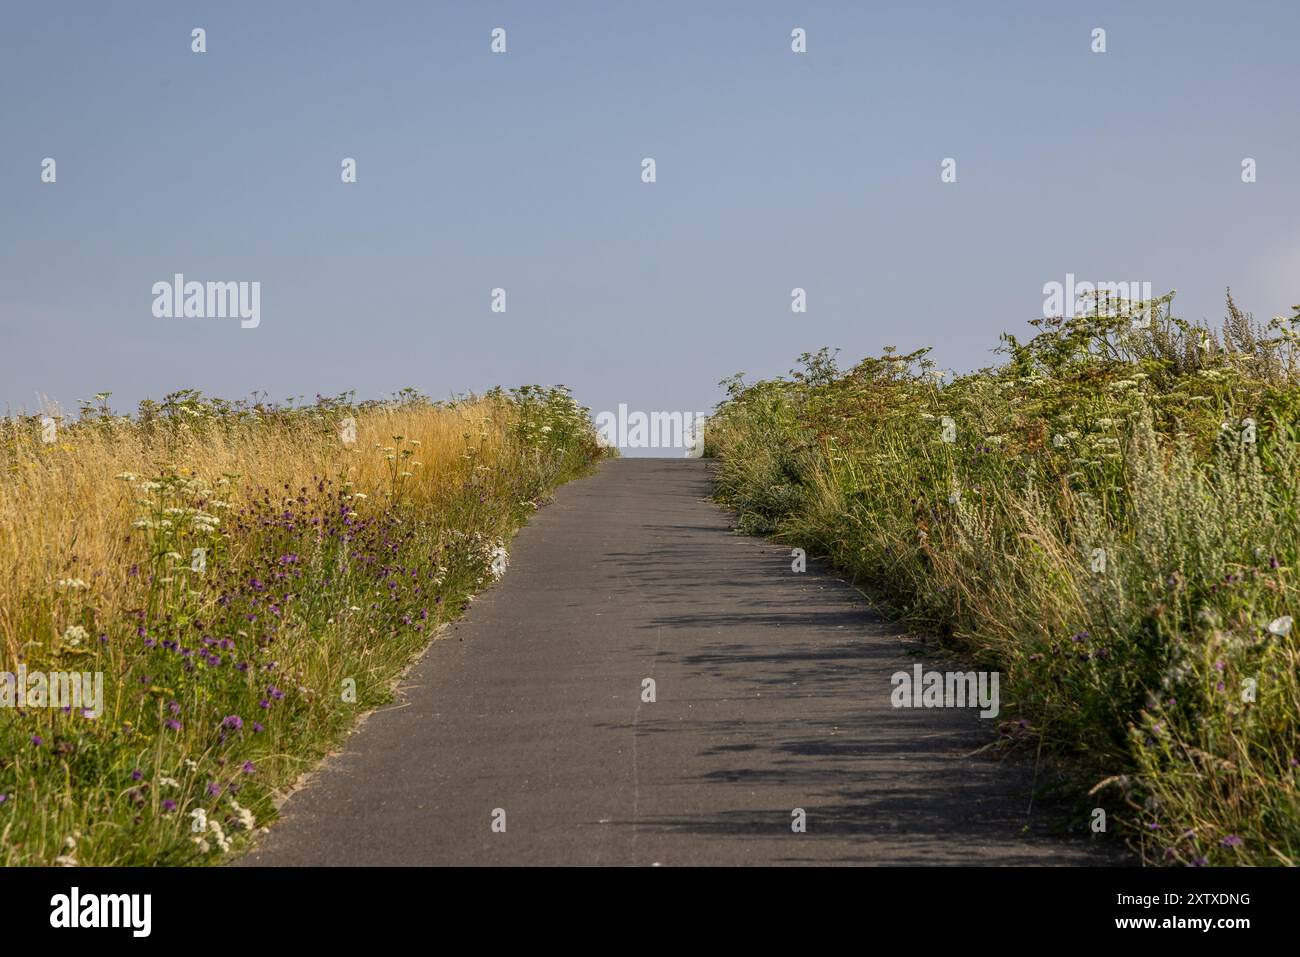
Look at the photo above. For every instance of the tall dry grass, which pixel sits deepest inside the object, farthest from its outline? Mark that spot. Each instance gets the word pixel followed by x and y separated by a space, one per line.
pixel 65 513
pixel 247 579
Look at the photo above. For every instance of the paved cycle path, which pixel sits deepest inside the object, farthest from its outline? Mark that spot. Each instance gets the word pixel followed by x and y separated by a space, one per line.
pixel 772 693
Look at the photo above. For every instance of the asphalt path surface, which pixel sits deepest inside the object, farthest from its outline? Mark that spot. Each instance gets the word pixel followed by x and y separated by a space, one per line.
pixel 771 694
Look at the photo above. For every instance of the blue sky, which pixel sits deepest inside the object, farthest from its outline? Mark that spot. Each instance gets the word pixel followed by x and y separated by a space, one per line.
pixel 522 171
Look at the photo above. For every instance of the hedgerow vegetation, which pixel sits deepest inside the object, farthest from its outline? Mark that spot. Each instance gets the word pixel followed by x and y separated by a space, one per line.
pixel 1108 517
pixel 248 579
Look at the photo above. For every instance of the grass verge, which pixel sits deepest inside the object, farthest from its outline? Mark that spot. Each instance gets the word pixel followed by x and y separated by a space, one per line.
pixel 1108 518
pixel 245 580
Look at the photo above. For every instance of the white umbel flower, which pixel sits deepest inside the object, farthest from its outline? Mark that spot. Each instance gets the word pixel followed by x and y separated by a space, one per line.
pixel 500 561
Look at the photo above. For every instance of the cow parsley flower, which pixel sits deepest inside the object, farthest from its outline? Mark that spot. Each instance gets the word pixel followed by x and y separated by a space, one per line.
pixel 74 635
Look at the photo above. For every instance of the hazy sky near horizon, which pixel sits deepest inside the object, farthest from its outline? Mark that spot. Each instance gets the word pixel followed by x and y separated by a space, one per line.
pixel 522 171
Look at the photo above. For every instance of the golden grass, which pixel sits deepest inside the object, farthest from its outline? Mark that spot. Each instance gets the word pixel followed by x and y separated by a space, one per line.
pixel 64 514
pixel 246 583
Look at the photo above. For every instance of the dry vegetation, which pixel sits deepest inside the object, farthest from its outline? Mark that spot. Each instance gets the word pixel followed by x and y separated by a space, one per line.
pixel 248 579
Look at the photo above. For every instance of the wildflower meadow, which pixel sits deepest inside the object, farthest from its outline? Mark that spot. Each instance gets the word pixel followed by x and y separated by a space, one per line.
pixel 246 579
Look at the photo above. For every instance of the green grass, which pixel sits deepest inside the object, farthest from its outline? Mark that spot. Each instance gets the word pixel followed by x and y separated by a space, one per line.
pixel 1113 527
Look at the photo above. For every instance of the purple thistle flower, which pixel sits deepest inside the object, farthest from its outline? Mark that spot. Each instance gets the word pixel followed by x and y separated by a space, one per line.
pixel 214 788
pixel 137 774
pixel 1232 840
pixel 249 767
pixel 258 728
pixel 37 740
pixel 169 805
pixel 233 721
pixel 172 724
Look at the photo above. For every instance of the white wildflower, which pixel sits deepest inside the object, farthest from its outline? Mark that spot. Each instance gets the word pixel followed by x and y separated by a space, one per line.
pixel 75 635
pixel 500 560
pixel 69 856
pixel 218 835
pixel 246 821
